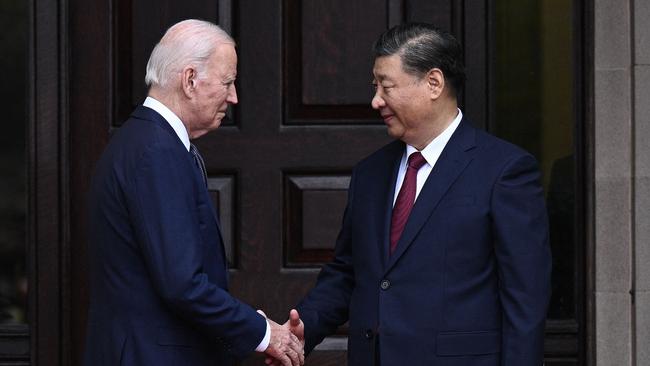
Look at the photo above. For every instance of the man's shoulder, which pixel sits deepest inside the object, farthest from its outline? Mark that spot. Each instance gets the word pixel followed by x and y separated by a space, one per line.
pixel 496 147
pixel 142 141
pixel 387 153
pixel 148 133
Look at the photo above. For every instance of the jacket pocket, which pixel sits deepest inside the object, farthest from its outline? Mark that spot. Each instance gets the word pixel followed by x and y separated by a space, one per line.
pixel 468 343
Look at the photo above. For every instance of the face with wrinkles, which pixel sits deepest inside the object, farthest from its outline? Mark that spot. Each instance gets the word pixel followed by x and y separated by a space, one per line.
pixel 213 90
pixel 406 102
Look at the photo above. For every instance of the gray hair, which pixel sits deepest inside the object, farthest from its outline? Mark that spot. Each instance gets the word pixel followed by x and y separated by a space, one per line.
pixel 189 42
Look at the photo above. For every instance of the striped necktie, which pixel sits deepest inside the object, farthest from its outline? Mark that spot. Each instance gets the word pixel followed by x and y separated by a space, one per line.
pixel 198 160
pixel 405 199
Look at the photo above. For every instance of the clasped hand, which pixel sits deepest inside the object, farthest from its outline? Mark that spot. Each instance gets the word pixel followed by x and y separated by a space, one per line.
pixel 286 346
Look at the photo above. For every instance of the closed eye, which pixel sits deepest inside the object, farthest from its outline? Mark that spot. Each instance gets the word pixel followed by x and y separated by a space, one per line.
pixel 385 88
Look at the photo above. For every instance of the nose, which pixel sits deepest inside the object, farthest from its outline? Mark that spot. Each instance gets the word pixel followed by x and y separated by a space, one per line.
pixel 232 95
pixel 377 101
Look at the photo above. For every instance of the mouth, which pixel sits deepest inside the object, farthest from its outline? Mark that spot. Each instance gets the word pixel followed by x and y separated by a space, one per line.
pixel 220 114
pixel 387 117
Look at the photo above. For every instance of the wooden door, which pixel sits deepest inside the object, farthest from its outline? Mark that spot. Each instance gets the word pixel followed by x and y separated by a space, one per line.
pixel 280 164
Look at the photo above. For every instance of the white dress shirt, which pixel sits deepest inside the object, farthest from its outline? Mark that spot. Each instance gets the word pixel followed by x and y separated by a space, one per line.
pixel 171 118
pixel 431 153
pixel 181 131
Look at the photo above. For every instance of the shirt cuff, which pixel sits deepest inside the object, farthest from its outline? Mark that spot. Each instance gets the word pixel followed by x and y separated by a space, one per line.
pixel 264 344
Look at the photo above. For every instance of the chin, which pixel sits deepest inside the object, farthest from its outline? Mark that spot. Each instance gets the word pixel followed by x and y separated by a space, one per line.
pixel 395 134
pixel 216 123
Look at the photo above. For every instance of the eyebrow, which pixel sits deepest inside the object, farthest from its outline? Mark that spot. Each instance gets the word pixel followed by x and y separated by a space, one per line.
pixel 381 80
pixel 382 77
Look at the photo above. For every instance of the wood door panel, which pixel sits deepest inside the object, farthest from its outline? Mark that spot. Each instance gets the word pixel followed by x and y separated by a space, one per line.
pixel 313 209
pixel 328 60
pixel 335 38
pixel 224 197
pixel 437 12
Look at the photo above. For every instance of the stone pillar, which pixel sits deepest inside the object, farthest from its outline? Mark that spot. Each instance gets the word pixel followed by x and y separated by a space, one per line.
pixel 613 164
pixel 641 125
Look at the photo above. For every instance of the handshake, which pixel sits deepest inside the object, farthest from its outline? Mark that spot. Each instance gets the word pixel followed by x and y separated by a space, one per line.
pixel 287 343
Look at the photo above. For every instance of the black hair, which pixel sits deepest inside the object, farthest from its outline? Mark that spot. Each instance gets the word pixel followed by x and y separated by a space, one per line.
pixel 423 47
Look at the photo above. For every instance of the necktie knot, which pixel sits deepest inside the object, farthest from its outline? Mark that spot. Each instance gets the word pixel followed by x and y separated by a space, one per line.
pixel 416 160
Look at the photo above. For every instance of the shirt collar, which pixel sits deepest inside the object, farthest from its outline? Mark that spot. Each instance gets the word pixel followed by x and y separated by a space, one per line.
pixel 432 151
pixel 171 118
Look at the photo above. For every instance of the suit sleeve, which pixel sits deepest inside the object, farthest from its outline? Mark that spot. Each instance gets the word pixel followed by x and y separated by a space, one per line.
pixel 326 306
pixel 167 223
pixel 520 225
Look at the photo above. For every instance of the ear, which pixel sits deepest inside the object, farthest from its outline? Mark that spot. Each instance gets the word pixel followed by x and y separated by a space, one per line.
pixel 189 81
pixel 436 82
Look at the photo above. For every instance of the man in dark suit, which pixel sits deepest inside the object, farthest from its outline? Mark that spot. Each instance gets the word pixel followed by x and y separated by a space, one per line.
pixel 443 257
pixel 158 276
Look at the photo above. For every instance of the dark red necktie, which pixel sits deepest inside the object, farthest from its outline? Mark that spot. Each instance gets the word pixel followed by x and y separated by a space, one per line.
pixel 405 199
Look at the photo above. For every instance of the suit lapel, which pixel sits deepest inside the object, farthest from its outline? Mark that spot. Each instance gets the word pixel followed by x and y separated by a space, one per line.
pixel 216 221
pixel 148 114
pixel 387 190
pixel 449 166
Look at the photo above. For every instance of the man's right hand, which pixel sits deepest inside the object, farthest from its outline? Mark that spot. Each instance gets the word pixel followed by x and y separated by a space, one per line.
pixel 284 346
pixel 297 327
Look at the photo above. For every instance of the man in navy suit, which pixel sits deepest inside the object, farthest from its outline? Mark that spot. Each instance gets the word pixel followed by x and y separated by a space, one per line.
pixel 443 257
pixel 158 271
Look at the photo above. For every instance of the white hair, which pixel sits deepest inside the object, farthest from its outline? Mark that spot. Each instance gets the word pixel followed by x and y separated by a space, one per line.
pixel 189 42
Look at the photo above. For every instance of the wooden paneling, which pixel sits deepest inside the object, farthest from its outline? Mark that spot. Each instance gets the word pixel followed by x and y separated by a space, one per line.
pixel 222 192
pixel 48 245
pixel 336 39
pixel 561 343
pixel 328 60
pixel 314 208
pixel 478 45
pixel 14 344
pixel 436 12
pixel 90 90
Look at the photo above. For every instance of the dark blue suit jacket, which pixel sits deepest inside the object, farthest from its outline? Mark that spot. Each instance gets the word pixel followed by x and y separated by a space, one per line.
pixel 468 284
pixel 158 275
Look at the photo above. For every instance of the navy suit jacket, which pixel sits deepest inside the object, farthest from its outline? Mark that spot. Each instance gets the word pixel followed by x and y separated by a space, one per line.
pixel 468 284
pixel 157 267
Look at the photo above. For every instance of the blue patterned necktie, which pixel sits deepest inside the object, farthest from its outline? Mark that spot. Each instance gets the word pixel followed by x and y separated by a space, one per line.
pixel 198 160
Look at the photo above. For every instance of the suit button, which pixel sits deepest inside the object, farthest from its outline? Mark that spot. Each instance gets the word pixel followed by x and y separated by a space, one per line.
pixel 369 334
pixel 385 284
